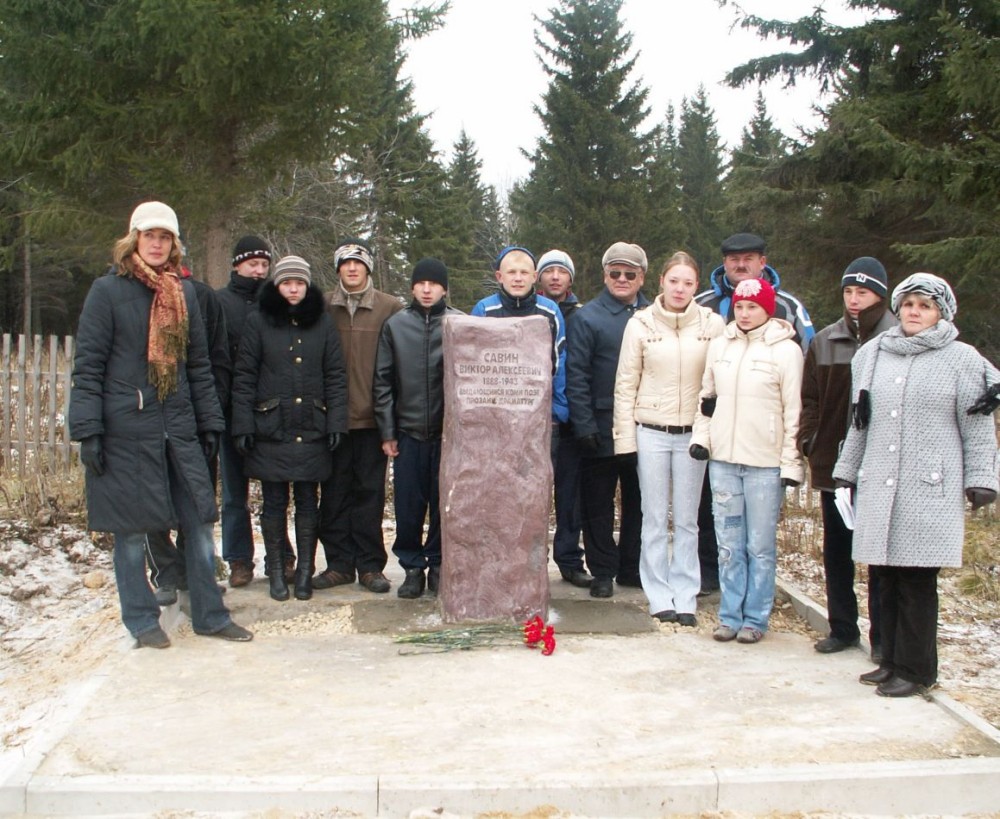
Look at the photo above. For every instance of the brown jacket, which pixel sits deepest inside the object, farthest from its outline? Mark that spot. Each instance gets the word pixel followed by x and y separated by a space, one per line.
pixel 826 388
pixel 359 335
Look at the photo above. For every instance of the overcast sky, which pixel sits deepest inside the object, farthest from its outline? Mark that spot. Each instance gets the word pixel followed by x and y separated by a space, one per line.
pixel 480 71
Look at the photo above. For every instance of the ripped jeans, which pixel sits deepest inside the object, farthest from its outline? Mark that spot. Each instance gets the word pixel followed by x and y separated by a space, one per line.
pixel 746 501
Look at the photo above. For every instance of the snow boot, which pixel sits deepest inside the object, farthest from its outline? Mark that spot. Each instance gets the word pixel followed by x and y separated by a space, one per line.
pixel 306 533
pixel 273 530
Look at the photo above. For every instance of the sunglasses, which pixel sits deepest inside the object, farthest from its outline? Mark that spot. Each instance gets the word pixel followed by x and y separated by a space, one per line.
pixel 628 274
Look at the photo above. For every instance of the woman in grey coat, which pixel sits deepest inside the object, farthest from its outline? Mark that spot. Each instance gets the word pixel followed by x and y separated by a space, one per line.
pixel 914 453
pixel 144 408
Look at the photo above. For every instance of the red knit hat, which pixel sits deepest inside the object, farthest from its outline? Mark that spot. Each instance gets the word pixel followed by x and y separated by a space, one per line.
pixel 758 291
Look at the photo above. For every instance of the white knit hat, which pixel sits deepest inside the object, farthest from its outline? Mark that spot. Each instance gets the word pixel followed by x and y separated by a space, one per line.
pixel 151 215
pixel 292 267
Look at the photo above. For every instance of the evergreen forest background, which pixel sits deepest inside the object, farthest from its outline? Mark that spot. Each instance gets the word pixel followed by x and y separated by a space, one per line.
pixel 106 103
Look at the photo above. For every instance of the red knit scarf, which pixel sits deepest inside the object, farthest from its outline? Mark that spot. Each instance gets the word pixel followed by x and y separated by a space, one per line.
pixel 168 324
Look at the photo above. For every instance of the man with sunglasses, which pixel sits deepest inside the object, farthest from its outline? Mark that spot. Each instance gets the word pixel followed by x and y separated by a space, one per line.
pixel 743 257
pixel 595 340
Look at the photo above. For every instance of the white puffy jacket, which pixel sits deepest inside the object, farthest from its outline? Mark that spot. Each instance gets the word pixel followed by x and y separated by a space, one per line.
pixel 660 368
pixel 757 378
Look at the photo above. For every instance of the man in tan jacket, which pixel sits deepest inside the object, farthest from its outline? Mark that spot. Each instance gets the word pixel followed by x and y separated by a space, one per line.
pixel 354 497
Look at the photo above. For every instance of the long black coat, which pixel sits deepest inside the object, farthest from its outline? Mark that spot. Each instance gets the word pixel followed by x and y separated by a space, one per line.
pixel 112 396
pixel 289 388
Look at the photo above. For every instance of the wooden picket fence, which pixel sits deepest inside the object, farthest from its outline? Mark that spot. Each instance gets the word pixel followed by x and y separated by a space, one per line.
pixel 34 403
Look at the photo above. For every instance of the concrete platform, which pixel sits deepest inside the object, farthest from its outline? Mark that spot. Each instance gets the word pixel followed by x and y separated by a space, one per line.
pixel 626 718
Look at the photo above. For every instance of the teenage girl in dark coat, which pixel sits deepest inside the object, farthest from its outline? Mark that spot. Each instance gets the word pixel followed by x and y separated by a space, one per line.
pixel 289 411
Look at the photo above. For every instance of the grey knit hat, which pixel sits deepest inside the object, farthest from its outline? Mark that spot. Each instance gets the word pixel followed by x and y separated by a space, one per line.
pixel 930 286
pixel 559 258
pixel 292 267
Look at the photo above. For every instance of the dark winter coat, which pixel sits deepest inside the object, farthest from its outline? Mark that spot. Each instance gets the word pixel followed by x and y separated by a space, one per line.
pixel 409 373
pixel 593 347
pixel 237 300
pixel 719 298
pixel 217 340
pixel 826 388
pixel 112 396
pixel 289 388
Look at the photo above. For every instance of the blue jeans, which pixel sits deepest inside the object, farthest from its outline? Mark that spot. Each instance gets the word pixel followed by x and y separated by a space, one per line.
pixel 140 612
pixel 670 482
pixel 746 501
pixel 237 536
pixel 415 497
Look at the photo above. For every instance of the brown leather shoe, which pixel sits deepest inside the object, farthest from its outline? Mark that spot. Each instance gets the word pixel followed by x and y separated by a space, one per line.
pixel 329 578
pixel 374 582
pixel 240 573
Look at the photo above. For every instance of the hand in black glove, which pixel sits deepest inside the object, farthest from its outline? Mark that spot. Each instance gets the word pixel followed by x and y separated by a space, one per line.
pixel 333 440
pixel 708 406
pixel 589 444
pixel 844 484
pixel 243 444
pixel 787 482
pixel 980 497
pixel 987 403
pixel 698 452
pixel 92 453
pixel 209 444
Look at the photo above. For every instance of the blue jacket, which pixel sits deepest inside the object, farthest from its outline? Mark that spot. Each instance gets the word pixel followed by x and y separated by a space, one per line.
pixel 720 300
pixel 503 305
pixel 595 341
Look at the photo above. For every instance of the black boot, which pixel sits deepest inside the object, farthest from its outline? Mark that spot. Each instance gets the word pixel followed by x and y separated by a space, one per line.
pixel 413 585
pixel 273 530
pixel 306 533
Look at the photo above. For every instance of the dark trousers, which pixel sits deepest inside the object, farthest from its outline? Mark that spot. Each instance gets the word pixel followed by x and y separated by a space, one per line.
pixel 838 566
pixel 275 497
pixel 415 497
pixel 708 545
pixel 352 503
pixel 909 621
pixel 166 558
pixel 566 549
pixel 598 479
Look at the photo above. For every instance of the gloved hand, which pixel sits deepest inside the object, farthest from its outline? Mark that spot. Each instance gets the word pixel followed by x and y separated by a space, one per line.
pixel 788 482
pixel 987 403
pixel 333 440
pixel 243 444
pixel 980 497
pixel 845 484
pixel 589 444
pixel 698 452
pixel 209 444
pixel 708 406
pixel 92 453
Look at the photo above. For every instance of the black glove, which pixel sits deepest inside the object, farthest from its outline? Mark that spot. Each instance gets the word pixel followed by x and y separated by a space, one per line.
pixel 333 440
pixel 698 452
pixel 844 484
pixel 589 444
pixel 987 403
pixel 708 406
pixel 209 444
pixel 92 453
pixel 243 444
pixel 787 482
pixel 980 497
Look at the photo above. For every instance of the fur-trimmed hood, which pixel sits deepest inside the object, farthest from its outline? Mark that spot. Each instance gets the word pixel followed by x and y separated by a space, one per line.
pixel 277 311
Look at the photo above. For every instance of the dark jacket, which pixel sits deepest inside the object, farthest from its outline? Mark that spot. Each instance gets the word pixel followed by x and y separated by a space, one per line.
pixel 111 396
pixel 217 340
pixel 720 299
pixel 593 347
pixel 237 300
pixel 826 388
pixel 409 373
pixel 289 388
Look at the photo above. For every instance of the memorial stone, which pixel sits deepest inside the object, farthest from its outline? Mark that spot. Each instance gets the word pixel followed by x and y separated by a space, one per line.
pixel 496 468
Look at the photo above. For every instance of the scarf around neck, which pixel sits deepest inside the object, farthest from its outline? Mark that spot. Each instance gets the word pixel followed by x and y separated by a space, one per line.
pixel 168 324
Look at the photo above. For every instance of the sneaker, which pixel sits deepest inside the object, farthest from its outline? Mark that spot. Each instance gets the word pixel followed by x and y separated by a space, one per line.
pixel 154 638
pixel 374 582
pixel 749 635
pixel 165 595
pixel 413 585
pixel 232 632
pixel 724 634
pixel 240 573
pixel 329 578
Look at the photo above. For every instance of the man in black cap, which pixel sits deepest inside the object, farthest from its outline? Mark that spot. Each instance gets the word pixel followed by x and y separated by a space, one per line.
pixel 743 257
pixel 353 498
pixel 409 408
pixel 826 396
